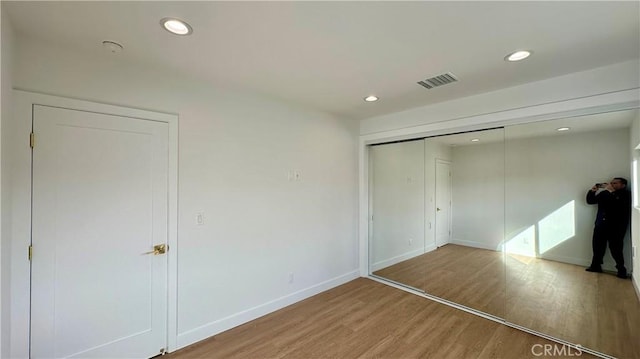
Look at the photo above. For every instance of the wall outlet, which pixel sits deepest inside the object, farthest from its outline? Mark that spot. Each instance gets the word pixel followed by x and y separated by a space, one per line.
pixel 410 241
pixel 200 218
pixel 291 277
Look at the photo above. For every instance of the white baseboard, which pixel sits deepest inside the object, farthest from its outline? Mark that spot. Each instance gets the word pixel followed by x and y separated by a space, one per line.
pixel 210 329
pixel 429 248
pixel 571 260
pixel 473 244
pixel 564 259
pixel 397 259
pixel 634 280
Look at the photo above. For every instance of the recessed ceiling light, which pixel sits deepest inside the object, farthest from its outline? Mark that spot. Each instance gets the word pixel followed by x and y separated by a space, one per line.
pixel 518 55
pixel 371 98
pixel 475 140
pixel 176 26
pixel 563 129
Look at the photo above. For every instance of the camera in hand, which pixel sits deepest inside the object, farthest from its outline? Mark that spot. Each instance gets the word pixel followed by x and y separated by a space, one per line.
pixel 601 185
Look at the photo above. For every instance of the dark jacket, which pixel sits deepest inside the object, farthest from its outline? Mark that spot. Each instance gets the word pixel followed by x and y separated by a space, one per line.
pixel 614 208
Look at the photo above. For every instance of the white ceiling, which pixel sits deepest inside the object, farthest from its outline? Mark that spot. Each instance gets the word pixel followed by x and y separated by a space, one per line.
pixel 329 55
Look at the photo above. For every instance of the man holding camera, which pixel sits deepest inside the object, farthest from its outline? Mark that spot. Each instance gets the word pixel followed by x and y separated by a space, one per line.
pixel 614 210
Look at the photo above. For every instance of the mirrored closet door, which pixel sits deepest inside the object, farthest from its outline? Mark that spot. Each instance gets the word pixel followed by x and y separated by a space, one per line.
pixel 497 221
pixel 437 217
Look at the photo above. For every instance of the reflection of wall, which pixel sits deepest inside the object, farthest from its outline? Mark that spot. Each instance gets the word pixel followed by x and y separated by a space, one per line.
pixel 478 195
pixel 546 185
pixel 546 182
pixel 635 213
pixel 400 208
pixel 397 199
pixel 432 151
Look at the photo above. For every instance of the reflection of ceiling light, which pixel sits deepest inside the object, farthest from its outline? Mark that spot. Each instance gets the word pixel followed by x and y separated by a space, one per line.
pixel 563 129
pixel 475 140
pixel 176 26
pixel 371 98
pixel 518 55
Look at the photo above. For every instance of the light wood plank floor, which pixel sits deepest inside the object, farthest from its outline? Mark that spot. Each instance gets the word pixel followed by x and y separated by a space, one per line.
pixel 595 310
pixel 469 276
pixel 366 319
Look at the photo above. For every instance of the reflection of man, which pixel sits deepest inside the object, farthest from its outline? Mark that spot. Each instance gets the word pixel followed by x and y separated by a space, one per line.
pixel 614 209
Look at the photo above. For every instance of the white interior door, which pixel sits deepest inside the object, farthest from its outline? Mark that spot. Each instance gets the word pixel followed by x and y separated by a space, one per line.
pixel 443 202
pixel 99 204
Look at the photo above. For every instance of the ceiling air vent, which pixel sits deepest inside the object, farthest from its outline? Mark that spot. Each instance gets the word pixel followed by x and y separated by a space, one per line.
pixel 438 80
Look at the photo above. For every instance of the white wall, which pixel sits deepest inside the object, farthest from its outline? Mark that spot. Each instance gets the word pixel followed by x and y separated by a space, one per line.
pixel 6 57
pixel 397 197
pixel 235 152
pixel 635 213
pixel 546 183
pixel 478 195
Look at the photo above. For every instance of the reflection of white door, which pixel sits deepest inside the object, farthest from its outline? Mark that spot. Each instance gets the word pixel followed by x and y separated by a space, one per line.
pixel 100 204
pixel 443 202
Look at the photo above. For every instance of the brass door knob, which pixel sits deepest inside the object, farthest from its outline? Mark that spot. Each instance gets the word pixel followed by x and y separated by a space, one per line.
pixel 158 249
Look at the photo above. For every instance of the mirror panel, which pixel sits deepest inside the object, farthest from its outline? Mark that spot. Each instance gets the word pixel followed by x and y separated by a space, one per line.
pixel 517 236
pixel 446 192
pixel 467 268
pixel 396 216
pixel 549 228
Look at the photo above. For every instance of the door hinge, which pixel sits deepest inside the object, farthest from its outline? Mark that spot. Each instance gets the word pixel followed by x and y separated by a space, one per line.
pixel 32 139
pixel 30 252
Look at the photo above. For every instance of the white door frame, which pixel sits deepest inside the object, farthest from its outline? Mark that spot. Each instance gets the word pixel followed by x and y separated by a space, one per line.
pixel 21 208
pixel 435 202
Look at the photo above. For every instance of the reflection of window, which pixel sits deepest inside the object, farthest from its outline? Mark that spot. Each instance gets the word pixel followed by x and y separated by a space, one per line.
pixel 557 227
pixel 523 243
pixel 549 232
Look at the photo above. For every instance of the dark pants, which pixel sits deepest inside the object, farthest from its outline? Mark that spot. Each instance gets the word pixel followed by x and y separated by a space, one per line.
pixel 615 237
